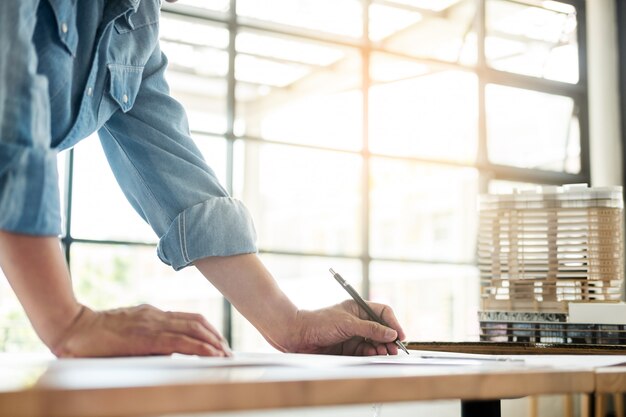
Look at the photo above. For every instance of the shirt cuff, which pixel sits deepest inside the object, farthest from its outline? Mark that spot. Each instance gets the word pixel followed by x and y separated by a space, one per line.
pixel 221 226
pixel 29 190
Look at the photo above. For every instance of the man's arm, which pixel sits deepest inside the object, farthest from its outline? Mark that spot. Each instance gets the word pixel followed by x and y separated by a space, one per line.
pixel 29 195
pixel 164 176
pixel 30 219
pixel 341 329
pixel 37 271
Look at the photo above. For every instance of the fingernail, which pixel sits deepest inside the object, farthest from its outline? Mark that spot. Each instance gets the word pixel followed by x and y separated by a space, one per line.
pixel 390 334
pixel 227 349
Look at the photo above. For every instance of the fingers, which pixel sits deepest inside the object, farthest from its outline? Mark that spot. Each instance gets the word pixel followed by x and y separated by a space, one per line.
pixel 366 348
pixel 197 318
pixel 141 330
pixel 392 349
pixel 201 321
pixel 387 314
pixel 198 331
pixel 360 349
pixel 390 318
pixel 381 349
pixel 197 327
pixel 190 325
pixel 382 310
pixel 372 348
pixel 341 329
pixel 372 330
pixel 168 343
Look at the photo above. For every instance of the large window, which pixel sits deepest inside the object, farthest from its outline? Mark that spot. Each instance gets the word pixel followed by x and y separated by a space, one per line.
pixel 360 134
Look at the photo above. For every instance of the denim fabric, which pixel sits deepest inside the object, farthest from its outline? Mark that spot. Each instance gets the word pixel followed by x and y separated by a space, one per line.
pixel 89 66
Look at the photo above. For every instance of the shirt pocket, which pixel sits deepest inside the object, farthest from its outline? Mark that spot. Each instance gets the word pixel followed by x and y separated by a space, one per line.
pixel 65 19
pixel 124 84
pixel 55 49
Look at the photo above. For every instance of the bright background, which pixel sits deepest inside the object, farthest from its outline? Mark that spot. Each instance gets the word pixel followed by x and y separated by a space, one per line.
pixel 360 135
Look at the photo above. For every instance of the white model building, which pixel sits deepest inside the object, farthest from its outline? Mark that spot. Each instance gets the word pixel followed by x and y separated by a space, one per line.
pixel 551 265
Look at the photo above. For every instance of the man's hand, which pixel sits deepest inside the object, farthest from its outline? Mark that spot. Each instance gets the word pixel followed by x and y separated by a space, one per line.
pixel 36 270
pixel 142 330
pixel 345 329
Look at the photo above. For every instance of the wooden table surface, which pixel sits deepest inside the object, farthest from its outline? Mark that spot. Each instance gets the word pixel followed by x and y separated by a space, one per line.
pixel 143 387
pixel 611 380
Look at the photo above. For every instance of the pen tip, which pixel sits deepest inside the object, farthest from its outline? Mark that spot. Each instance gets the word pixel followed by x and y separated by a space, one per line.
pixel 332 271
pixel 401 346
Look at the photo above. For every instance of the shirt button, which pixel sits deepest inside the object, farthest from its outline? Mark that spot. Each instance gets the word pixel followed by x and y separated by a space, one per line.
pixel 90 91
pixel 124 99
pixel 64 27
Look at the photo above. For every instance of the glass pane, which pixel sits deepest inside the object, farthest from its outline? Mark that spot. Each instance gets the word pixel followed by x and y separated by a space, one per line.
pixel 432 302
pixel 197 70
pixel 98 199
pixel 427 115
pixel 99 208
pixel 410 28
pixel 529 129
pixel 434 5
pixel 386 21
pixel 340 17
pixel 106 276
pixel 16 333
pixel 424 212
pixel 196 32
pixel 301 199
pixel 386 68
pixel 294 90
pixel 217 5
pixel 307 282
pixel 537 40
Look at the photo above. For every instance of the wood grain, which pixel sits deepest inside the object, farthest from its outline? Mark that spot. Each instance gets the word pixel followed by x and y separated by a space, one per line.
pixel 230 394
pixel 611 379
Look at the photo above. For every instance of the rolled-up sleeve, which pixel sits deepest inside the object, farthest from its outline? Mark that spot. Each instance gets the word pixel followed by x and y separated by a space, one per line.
pixel 29 195
pixel 165 178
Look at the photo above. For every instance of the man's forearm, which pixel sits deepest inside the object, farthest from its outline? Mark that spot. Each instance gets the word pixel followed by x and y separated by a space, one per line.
pixel 37 272
pixel 341 329
pixel 249 286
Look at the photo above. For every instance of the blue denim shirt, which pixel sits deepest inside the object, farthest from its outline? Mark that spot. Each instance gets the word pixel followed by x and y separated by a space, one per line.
pixel 69 68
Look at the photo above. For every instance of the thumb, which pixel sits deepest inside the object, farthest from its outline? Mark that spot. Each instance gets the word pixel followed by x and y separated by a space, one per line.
pixel 374 331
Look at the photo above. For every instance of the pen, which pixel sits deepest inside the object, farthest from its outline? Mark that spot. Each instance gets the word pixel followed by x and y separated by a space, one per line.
pixel 355 295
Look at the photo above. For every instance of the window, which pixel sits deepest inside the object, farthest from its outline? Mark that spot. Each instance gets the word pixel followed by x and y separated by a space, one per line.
pixel 360 134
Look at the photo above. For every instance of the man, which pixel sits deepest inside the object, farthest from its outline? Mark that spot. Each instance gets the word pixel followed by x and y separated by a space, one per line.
pixel 72 67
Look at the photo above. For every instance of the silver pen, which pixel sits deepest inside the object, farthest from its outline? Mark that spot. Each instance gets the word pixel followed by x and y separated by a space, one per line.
pixel 355 295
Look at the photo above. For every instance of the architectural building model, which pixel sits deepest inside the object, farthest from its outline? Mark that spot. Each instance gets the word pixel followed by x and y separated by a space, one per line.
pixel 551 265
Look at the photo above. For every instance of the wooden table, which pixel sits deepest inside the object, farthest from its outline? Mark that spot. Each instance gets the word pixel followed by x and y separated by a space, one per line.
pixel 144 387
pixel 610 380
pixel 611 383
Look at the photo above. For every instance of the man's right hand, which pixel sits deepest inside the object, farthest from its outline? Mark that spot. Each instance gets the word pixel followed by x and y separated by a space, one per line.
pixel 142 330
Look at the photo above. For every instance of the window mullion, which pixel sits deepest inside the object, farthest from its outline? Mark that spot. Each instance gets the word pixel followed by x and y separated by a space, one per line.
pixel 365 213
pixel 227 320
